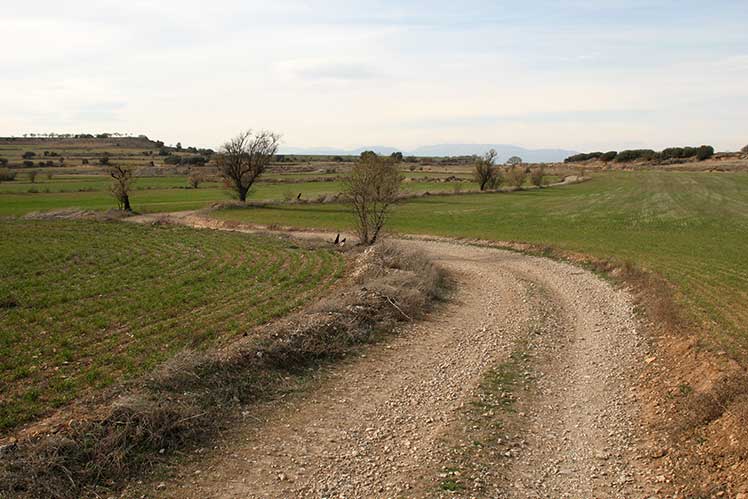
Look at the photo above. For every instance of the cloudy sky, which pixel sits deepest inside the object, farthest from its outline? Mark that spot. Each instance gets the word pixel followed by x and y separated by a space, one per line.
pixel 578 74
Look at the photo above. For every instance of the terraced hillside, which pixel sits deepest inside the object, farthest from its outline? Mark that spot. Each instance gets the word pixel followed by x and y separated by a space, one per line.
pixel 84 305
pixel 690 227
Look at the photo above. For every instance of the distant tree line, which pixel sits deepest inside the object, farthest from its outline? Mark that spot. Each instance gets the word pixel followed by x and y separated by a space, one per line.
pixel 701 153
pixel 186 160
pixel 107 135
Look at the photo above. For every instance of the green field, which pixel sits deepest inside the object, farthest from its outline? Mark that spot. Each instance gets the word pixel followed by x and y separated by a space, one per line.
pixel 158 194
pixel 692 228
pixel 86 304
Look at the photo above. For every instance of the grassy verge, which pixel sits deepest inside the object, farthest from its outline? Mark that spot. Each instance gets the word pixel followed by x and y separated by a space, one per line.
pixel 84 304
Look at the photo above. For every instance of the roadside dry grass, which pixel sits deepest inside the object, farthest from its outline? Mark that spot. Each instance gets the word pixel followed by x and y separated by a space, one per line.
pixel 195 393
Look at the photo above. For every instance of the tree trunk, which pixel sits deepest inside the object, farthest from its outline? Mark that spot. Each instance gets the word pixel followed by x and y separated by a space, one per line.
pixel 126 202
pixel 243 194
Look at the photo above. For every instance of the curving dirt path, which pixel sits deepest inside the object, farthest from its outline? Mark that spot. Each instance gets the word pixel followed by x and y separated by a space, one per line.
pixel 401 421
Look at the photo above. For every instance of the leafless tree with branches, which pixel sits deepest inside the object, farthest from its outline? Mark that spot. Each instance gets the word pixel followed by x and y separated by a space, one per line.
pixel 372 187
pixel 244 158
pixel 195 178
pixel 485 170
pixel 122 180
pixel 536 176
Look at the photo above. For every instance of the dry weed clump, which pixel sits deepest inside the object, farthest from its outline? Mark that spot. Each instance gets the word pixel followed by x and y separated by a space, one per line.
pixel 702 407
pixel 190 396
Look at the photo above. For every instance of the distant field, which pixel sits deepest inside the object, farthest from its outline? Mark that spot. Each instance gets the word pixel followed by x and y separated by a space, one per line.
pixel 85 304
pixel 155 194
pixel 690 227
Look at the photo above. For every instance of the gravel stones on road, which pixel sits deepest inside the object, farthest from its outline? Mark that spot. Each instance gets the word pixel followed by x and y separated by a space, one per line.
pixel 377 426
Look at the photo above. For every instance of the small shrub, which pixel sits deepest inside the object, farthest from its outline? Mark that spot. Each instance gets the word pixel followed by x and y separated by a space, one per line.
pixel 7 175
pixel 195 178
pixel 516 176
pixel 704 153
pixel 536 176
pixel 3 162
pixel 28 155
pixel 744 150
pixel 28 163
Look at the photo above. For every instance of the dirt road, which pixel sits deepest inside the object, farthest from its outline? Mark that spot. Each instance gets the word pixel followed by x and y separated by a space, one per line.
pixel 412 418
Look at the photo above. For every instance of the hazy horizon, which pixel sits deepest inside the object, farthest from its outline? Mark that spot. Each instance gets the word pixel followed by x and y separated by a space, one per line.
pixel 577 75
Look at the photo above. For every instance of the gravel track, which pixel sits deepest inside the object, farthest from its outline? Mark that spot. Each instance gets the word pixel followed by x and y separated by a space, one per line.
pixel 390 422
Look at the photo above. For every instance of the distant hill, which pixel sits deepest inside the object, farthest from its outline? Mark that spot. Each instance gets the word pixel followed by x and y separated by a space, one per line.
pixel 336 151
pixel 65 142
pixel 504 151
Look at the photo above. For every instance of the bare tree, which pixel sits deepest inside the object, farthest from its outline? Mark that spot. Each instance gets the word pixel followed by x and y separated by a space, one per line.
pixel 244 158
pixel 372 188
pixel 744 150
pixel 196 178
pixel 514 161
pixel 122 180
pixel 536 176
pixel 485 170
pixel 516 176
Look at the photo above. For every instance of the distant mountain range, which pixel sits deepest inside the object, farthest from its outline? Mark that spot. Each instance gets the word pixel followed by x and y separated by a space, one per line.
pixel 504 151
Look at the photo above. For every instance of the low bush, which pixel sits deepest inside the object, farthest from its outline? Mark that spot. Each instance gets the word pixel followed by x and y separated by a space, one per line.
pixel 536 176
pixel 515 176
pixel 7 175
pixel 704 153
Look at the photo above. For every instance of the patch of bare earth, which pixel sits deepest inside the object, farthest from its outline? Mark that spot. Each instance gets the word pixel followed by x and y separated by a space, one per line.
pixel 523 385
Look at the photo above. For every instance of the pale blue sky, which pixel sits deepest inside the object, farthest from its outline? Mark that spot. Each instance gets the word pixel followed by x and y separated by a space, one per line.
pixel 574 74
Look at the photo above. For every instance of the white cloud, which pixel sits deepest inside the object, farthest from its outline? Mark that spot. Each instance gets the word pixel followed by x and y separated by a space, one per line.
pixel 399 73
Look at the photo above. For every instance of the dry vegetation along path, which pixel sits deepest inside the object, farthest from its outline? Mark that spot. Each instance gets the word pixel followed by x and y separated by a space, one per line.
pixel 521 386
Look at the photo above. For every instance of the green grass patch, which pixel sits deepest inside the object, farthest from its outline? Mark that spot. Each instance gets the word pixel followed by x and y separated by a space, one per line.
pixel 88 304
pixel 159 194
pixel 692 228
